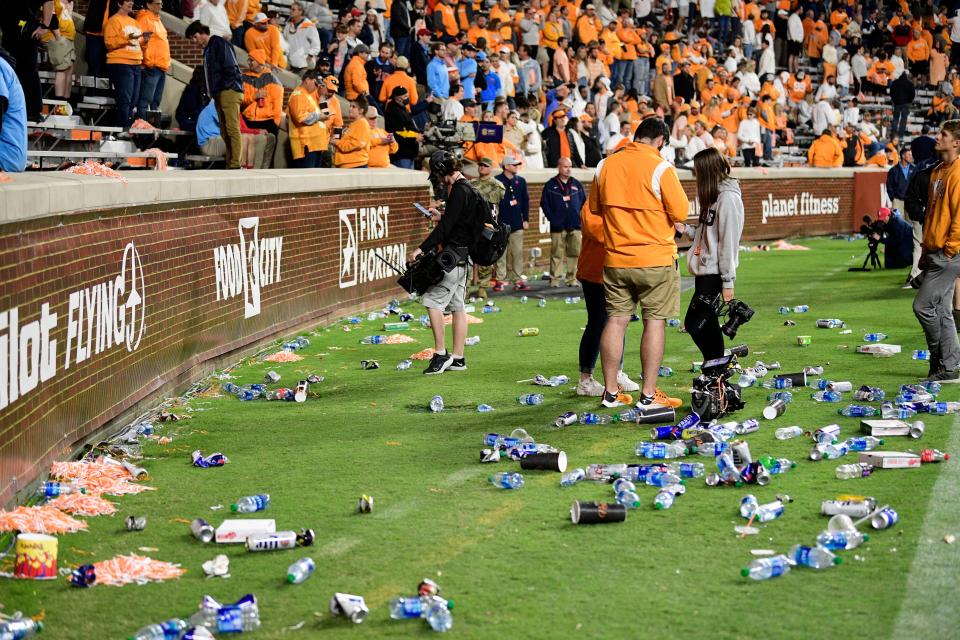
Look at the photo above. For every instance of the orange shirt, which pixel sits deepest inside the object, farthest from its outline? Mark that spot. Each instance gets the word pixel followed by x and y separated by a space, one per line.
pixel 268 41
pixel 399 78
pixel 156 54
pixel 355 79
pixel 120 48
pixel 272 103
pixel 448 19
pixel 353 147
pixel 825 152
pixel 253 8
pixel 941 227
pixel 236 12
pixel 918 51
pixel 303 136
pixel 565 146
pixel 639 197
pixel 380 151
pixel 588 29
pixel 592 251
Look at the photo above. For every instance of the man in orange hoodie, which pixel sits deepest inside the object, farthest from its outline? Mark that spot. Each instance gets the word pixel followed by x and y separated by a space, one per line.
pixel 352 149
pixel 639 197
pixel 156 58
pixel 940 259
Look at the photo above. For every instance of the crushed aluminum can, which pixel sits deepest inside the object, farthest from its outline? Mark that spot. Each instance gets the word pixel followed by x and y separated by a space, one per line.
pixel 136 523
pixel 272 377
pixel 202 530
pixel 315 379
pixel 489 455
pixel 83 576
pixel 741 453
pixel 566 419
pixel 884 519
pixel 369 364
pixel 349 606
pixel 365 504
pixel 428 588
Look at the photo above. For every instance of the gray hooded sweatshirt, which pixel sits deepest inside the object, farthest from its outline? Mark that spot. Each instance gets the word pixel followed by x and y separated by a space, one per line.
pixel 716 247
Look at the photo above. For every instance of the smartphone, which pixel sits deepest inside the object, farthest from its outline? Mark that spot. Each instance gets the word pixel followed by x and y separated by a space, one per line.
pixel 423 210
pixel 337 131
pixel 323 105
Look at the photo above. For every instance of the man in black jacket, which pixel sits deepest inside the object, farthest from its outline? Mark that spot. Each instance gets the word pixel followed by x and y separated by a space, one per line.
pixel 684 85
pixel 224 85
pixel 559 142
pixel 452 236
pixel 420 56
pixel 399 121
pixel 400 26
pixel 902 94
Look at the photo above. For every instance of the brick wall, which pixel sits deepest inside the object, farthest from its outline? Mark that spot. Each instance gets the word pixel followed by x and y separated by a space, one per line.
pixel 166 254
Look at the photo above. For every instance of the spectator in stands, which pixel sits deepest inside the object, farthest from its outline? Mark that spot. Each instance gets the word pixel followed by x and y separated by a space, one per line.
pixel 377 70
pixel 123 37
pixel 902 94
pixel 213 14
pixel 192 101
pixel 267 37
pixel 438 80
pixel 236 14
pixel 558 141
pixel 452 107
pixel 620 138
pixel 353 147
pixel 371 31
pixel 826 151
pixel 253 8
pixel 327 91
pixel 400 78
pixel 355 74
pixel 421 54
pixel 13 118
pixel 399 122
pixel 224 85
pixel 156 58
pixel 209 140
pixel 382 143
pixel 59 43
pixel 748 139
pixel 514 210
pixel 303 38
pixel 262 104
pixel 309 135
pixel 561 200
pixel 400 26
pixel 95 19
pixel 899 177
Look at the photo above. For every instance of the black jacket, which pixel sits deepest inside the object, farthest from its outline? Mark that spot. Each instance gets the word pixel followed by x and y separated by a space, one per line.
pixel 93 23
pixel 398 121
pixel 220 67
pixel 902 90
pixel 399 19
pixel 684 86
pixel 551 140
pixel 419 59
pixel 456 226
pixel 591 148
pixel 897 182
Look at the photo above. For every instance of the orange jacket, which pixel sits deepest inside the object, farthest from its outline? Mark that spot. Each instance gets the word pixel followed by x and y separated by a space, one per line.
pixel 355 79
pixel 253 8
pixel 449 19
pixel 353 147
pixel 157 52
pixel 917 50
pixel 303 136
pixel 380 151
pixel 236 12
pixel 272 107
pixel 399 78
pixel 639 197
pixel 941 227
pixel 336 112
pixel 612 43
pixel 592 251
pixel 269 41
pixel 588 29
pixel 825 152
pixel 120 48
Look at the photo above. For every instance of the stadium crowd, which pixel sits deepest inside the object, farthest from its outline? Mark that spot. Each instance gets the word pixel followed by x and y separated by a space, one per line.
pixel 536 80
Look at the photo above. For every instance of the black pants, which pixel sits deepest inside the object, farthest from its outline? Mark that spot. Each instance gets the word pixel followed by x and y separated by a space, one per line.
pixel 596 303
pixel 701 323
pixel 750 157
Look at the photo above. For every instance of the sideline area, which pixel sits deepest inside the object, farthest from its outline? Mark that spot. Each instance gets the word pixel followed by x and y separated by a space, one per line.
pixel 512 561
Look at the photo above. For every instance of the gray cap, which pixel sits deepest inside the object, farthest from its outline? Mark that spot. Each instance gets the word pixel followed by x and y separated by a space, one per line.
pixel 361 48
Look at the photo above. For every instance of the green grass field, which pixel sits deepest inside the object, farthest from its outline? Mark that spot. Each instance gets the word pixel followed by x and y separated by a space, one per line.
pixel 513 562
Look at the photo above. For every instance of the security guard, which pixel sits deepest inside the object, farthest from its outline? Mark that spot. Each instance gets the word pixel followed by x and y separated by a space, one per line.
pixel 492 191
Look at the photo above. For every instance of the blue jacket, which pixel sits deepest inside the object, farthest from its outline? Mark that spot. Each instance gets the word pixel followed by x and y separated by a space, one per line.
pixel 438 80
pixel 514 208
pixel 898 241
pixel 493 87
pixel 561 203
pixel 208 124
pixel 897 182
pixel 467 66
pixel 13 126
pixel 220 67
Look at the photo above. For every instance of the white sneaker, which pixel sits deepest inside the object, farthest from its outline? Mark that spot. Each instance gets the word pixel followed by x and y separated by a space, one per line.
pixel 589 387
pixel 626 383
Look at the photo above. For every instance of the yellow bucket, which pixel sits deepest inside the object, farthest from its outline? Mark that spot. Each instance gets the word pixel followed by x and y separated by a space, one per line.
pixel 36 557
pixel 803 341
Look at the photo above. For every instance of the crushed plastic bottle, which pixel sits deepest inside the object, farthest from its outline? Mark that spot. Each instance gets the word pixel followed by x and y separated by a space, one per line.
pixel 943 408
pixel 241 616
pixel 438 614
pixel 484 408
pixel 243 393
pixel 775 466
pixel 52 489
pixel 436 404
pixel 931 386
pixel 628 498
pixel 373 340
pixel 299 571
pixel 571 478
pixel 403 365
pixel 711 449
pixel 831 323
pixel 170 629
pixel 801 308
pixel 890 411
pixel 835 450
pixel 746 380
pixel 827 396
pixel 542 302
pixel 827 434
pixel 768 511
pixel 874 337
pixel 661 450
pixel 857 411
pixel 251 504
pixel 766 568
pixel 595 418
pixel 472 341
pixel 506 480
pixel 687 469
pixel 785 433
pixel 489 308
pixel 783 396
pixel 784 311
pixel 813 557
pixel 841 539
pixel 855 470
pixel 778 383
pixel 664 372
pixel 921 354
pixel 530 398
pixel 662 479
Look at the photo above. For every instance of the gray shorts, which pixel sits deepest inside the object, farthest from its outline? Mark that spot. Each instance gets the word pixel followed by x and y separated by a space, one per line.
pixel 448 294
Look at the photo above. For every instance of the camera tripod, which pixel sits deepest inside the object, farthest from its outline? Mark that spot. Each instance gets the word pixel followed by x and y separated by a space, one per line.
pixel 872 257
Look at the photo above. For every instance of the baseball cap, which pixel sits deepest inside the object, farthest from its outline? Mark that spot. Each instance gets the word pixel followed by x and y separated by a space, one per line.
pixel 510 161
pixel 372 112
pixel 356 12
pixel 883 213
pixel 558 113
pixel 591 6
pixel 487 162
pixel 398 91
pixel 424 32
pixel 260 18
pixel 361 48
pixel 481 56
pixel 586 118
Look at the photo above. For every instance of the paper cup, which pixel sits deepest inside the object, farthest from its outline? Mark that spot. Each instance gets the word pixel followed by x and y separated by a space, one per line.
pixel 656 416
pixel 597 512
pixel 803 341
pixel 556 461
pixel 798 379
pixel 35 557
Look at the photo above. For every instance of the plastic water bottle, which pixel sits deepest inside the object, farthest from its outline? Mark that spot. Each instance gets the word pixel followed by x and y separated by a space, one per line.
pixel 571 478
pixel 766 568
pixel 727 467
pixel 300 570
pixel 769 511
pixel 661 450
pixel 542 302
pixel 484 408
pixel 408 607
pixel 52 489
pixel 663 500
pixel 911 394
pixel 629 499
pixel 436 404
pixel 673 322
pixel 785 311
pixel 746 380
pixel 827 396
pixel 404 365
pixel 472 341
pixel 784 396
pixel 931 386
pixel 835 450
pixel 813 557
pixel 171 629
pixel 506 480
pixel 523 299
pixel 775 466
pixel 921 354
pixel 251 504
pixel 943 408
pixel 241 392
pixel 438 615
pixel 687 469
pixel 664 372
pixel 711 449
pixel 868 394
pixel 785 433
pixel 863 443
pixel 874 337
pixel 595 418
pixel 425 321
pixel 801 308
pixel 751 425
pixel 530 398
pixel 557 381
pixel 857 411
pixel 778 383
pixel 841 539
pixel 662 479
pixel 889 411
pixel 373 340
pixel 855 470
pixel 491 309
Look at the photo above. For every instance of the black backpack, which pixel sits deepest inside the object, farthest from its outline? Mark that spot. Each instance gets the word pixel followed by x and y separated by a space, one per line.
pixel 490 235
pixel 915 200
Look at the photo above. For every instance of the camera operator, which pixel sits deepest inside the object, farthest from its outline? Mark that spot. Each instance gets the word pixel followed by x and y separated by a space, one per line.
pixel 450 239
pixel 715 252
pixel 896 234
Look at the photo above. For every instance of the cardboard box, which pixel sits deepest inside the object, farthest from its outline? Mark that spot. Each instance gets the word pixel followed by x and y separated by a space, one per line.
pixel 887 428
pixel 236 531
pixel 891 459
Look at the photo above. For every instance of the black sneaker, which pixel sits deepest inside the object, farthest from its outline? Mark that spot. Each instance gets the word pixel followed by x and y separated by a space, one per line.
pixel 945 377
pixel 458 364
pixel 438 364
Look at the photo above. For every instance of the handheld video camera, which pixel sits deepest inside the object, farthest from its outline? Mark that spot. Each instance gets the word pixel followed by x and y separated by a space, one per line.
pixel 736 312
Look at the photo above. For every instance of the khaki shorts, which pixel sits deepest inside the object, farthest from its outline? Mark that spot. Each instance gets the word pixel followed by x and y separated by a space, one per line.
pixel 447 295
pixel 655 290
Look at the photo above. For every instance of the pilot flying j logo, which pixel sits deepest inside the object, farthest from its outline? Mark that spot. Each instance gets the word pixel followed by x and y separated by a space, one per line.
pixel 249 265
pixel 360 265
pixel 100 317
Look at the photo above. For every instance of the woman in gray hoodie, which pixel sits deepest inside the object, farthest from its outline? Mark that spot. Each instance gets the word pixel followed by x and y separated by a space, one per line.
pixel 715 252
